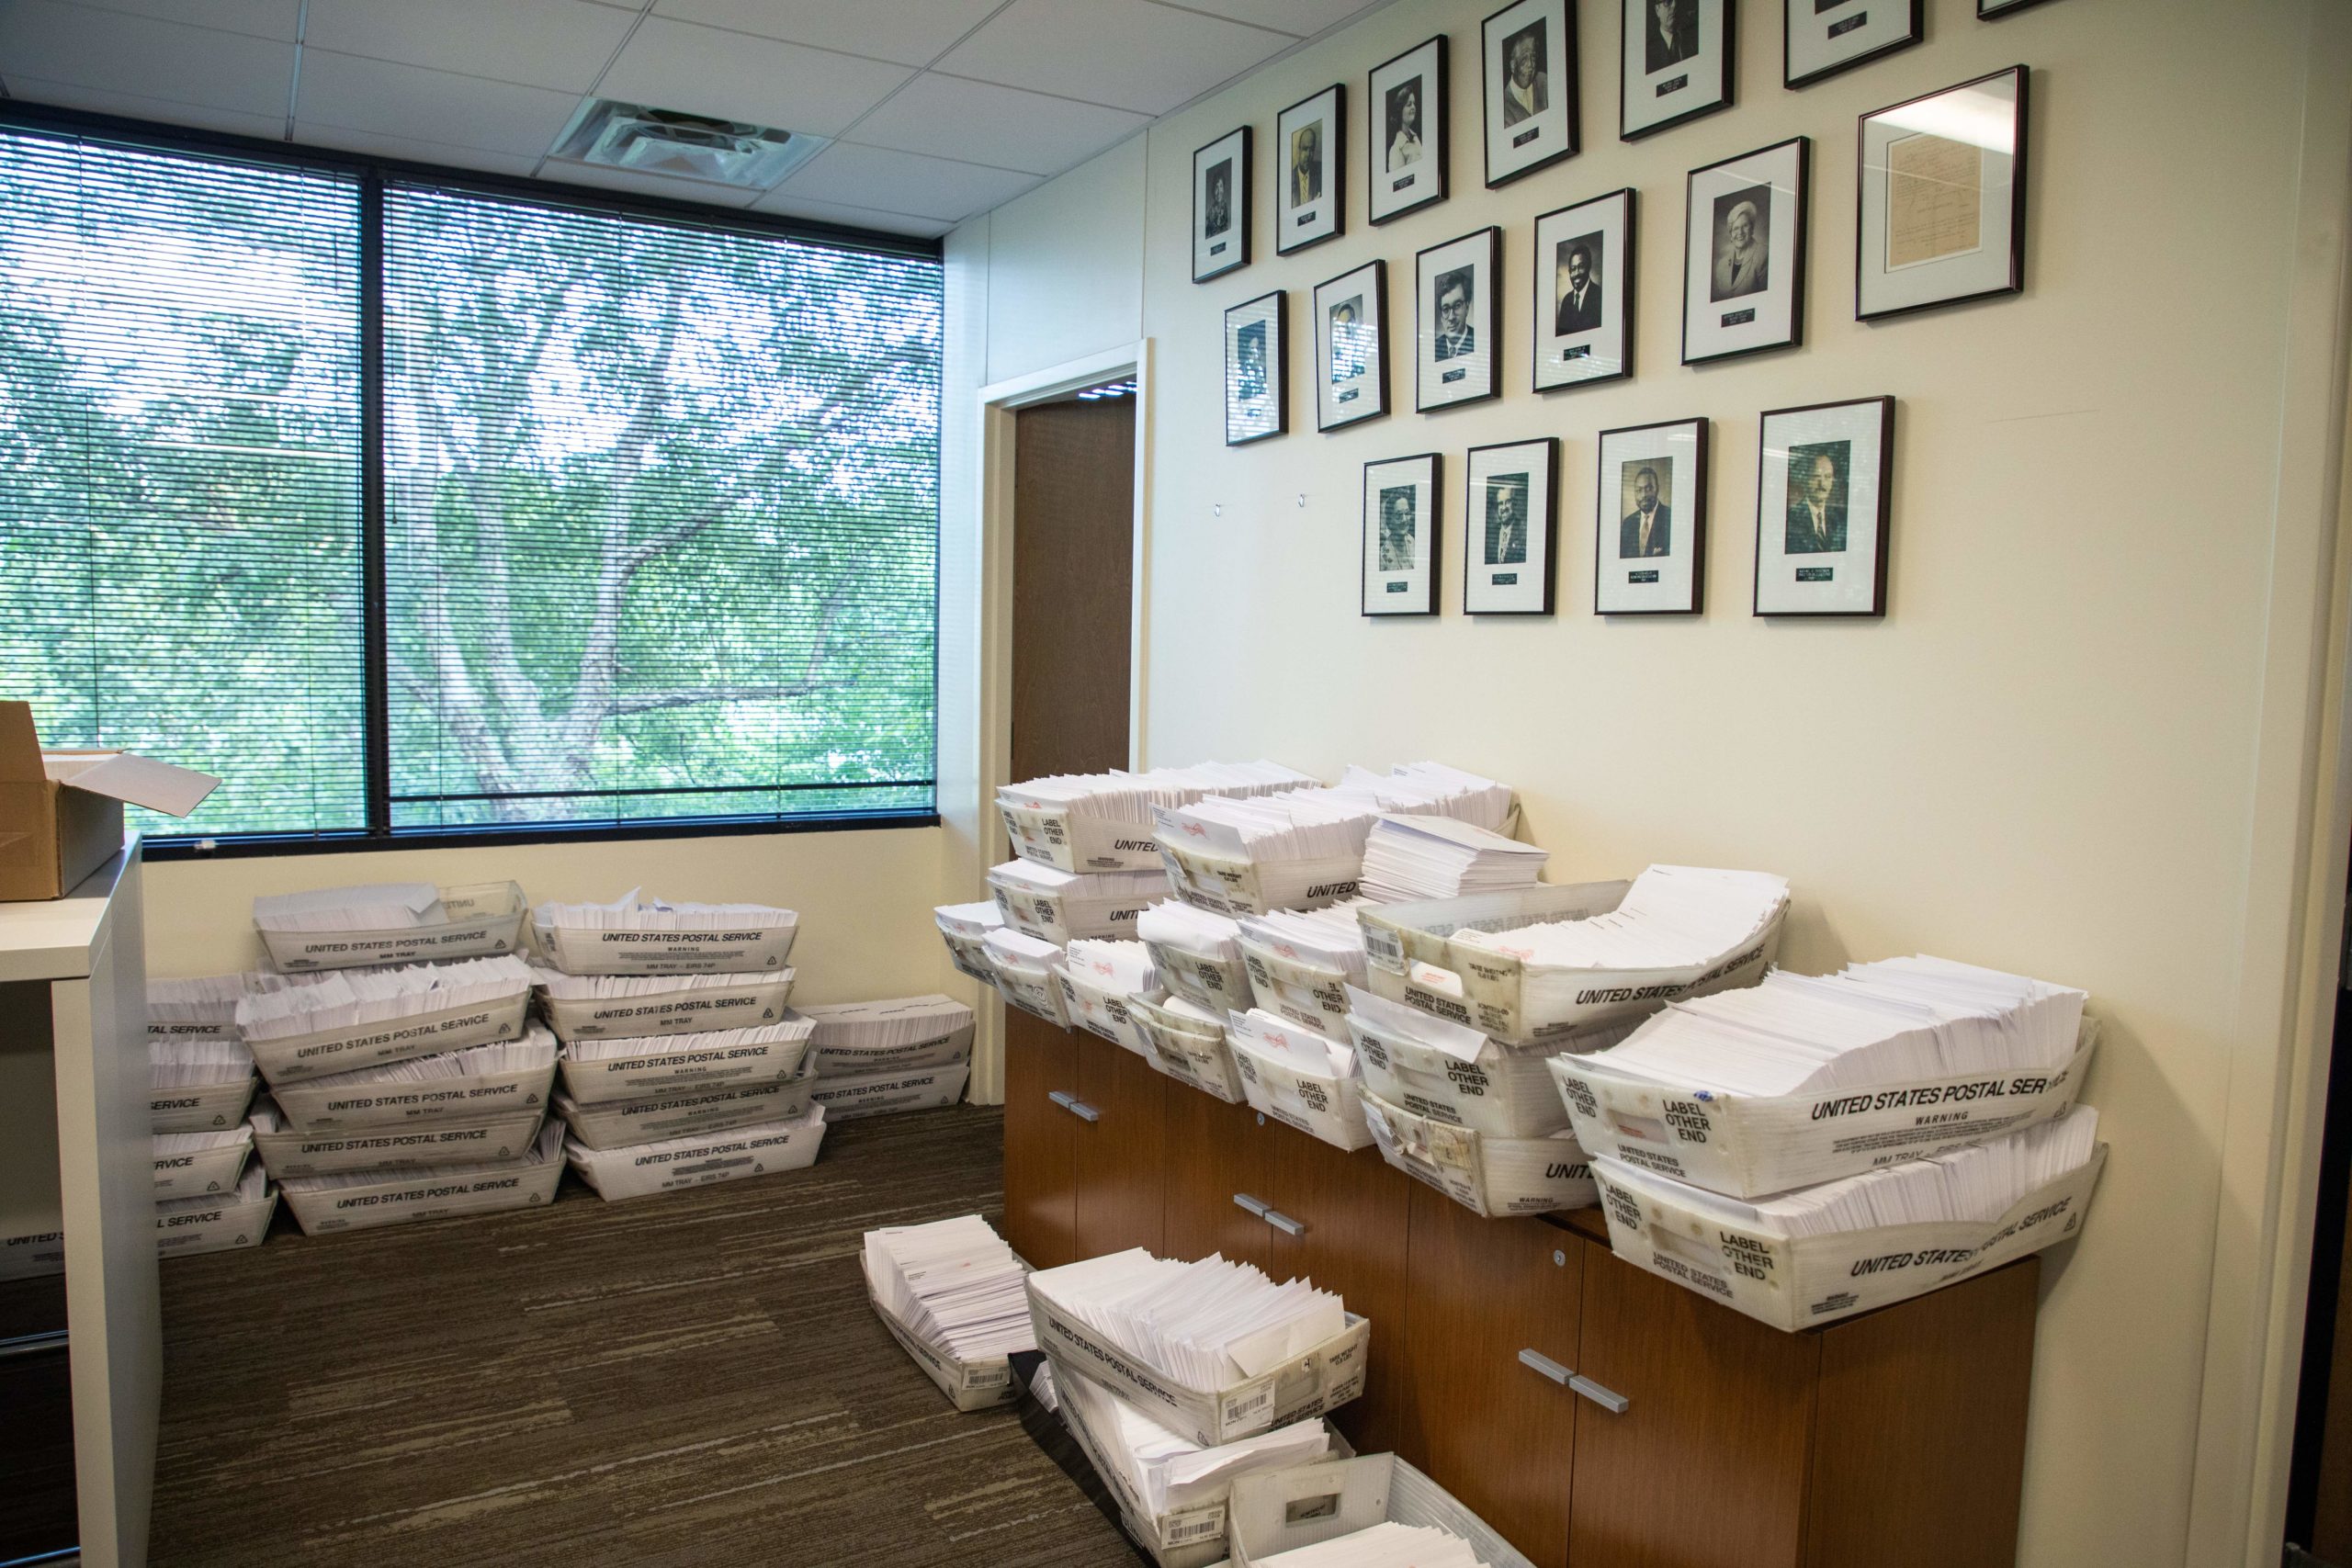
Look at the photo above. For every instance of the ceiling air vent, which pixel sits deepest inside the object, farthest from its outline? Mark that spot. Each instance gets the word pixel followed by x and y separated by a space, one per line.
pixel 693 146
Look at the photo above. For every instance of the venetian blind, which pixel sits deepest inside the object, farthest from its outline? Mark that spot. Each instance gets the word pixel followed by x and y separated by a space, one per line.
pixel 662 516
pixel 179 471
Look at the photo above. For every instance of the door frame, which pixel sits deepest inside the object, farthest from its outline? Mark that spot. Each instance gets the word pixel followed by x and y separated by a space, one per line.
pixel 999 404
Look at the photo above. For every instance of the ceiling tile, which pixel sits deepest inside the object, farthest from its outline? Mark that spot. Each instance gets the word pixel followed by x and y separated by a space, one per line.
pixel 66 95
pixel 343 138
pixel 909 31
pixel 949 117
pixel 1301 18
pixel 118 53
pixel 677 65
pixel 546 43
pixel 280 19
pixel 1128 54
pixel 905 182
pixel 786 205
pixel 638 182
pixel 430 105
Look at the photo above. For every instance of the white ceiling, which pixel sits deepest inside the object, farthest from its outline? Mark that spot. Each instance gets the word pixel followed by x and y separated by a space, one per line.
pixel 938 109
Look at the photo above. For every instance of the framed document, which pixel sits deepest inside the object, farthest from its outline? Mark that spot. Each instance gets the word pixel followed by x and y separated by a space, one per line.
pixel 1940 204
pixel 1649 546
pixel 1408 118
pixel 1457 321
pixel 1825 490
pixel 1529 52
pixel 1674 62
pixel 1221 206
pixel 1311 136
pixel 1994 10
pixel 1743 269
pixel 1400 535
pixel 1584 293
pixel 1256 370
pixel 1509 530
pixel 1825 37
pixel 1351 347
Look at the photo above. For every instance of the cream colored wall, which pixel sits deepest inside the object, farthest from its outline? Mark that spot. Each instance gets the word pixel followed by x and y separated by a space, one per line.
pixel 1066 266
pixel 2045 758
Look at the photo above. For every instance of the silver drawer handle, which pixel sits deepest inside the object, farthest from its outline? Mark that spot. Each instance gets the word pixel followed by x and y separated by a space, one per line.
pixel 1062 1100
pixel 1284 1224
pixel 1084 1111
pixel 1609 1399
pixel 1548 1367
pixel 1255 1205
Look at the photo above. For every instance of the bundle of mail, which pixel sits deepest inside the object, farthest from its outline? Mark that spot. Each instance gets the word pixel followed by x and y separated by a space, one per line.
pixel 205 1005
pixel 964 927
pixel 364 1198
pixel 666 1113
pixel 1026 969
pixel 287 1151
pixel 1301 963
pixel 1187 1041
pixel 400 922
pixel 383 906
pixel 354 1018
pixel 191 1164
pixel 1373 1509
pixel 1060 906
pixel 500 1078
pixel 1099 981
pixel 1104 822
pixel 1384 1545
pixel 196 1083
pixel 901 1053
pixel 951 1293
pixel 640 935
pixel 1197 953
pixel 1439 857
pixel 1299 1078
pixel 697 1159
pixel 217 1222
pixel 598 1072
pixel 594 1006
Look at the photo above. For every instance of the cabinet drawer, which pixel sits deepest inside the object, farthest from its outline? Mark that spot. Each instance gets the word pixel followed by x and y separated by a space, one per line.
pixel 1119 1143
pixel 1040 1203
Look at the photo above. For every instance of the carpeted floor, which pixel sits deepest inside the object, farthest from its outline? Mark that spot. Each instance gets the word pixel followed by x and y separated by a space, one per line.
pixel 693 1379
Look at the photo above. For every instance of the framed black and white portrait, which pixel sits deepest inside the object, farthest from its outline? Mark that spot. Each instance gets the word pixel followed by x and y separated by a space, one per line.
pixel 1312 138
pixel 1649 542
pixel 1256 370
pixel 1824 498
pixel 1351 347
pixel 1407 118
pixel 1457 321
pixel 1825 37
pixel 1400 535
pixel 1941 200
pixel 1221 206
pixel 1509 528
pixel 1529 51
pixel 1743 288
pixel 1674 64
pixel 1584 293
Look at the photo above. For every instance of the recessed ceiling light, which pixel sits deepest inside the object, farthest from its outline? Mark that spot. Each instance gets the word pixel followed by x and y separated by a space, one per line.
pixel 612 135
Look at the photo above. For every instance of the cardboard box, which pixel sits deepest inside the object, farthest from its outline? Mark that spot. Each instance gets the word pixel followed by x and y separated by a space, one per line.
pixel 664 1069
pixel 1414 961
pixel 1308 994
pixel 1487 1175
pixel 672 1165
pixel 969 1385
pixel 423 1146
pixel 1098 1011
pixel 324 1205
pixel 756 946
pixel 845 1099
pixel 1449 1073
pixel 1745 1147
pixel 338 1105
pixel 1797 1283
pixel 627 1122
pixel 744 1003
pixel 200 1108
pixel 292 1058
pixel 194 1172
pixel 900 1035
pixel 965 928
pixel 61 812
pixel 1220 984
pixel 1050 835
pixel 1187 1054
pixel 1268 1515
pixel 222 1223
pixel 1314 1384
pixel 479 921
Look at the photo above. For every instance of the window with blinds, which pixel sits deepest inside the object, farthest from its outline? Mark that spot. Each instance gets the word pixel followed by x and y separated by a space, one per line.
pixel 659 517
pixel 180 554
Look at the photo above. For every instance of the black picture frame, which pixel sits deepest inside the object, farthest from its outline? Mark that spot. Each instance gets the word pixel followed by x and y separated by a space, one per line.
pixel 1560 18
pixel 1433 76
pixel 1793 451
pixel 1690 504
pixel 1276 368
pixel 1473 557
pixel 1914 32
pixel 1481 378
pixel 1619 286
pixel 2022 79
pixel 1214 260
pixel 1371 278
pixel 1994 10
pixel 1633 19
pixel 1423 469
pixel 1793 283
pixel 1333 117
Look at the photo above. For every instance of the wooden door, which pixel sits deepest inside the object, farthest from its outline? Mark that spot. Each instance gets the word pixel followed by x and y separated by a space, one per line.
pixel 1705 1467
pixel 1353 1211
pixel 1216 1153
pixel 1120 1145
pixel 1485 1425
pixel 1073 570
pixel 1040 1203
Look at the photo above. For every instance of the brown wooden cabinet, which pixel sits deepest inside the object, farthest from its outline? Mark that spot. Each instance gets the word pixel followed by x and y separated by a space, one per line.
pixel 1119 1145
pixel 1341 1219
pixel 1040 1179
pixel 1216 1155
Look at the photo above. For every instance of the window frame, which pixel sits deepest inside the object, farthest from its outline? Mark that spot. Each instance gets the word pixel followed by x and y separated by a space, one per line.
pixel 373 176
